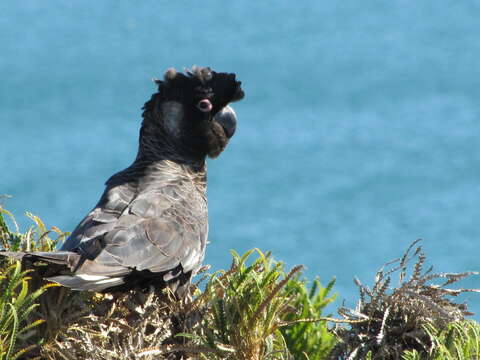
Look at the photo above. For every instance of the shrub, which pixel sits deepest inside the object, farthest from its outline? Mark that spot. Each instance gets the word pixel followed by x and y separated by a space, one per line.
pixel 20 290
pixel 254 310
pixel 258 311
pixel 307 336
pixel 387 322
pixel 17 305
pixel 458 341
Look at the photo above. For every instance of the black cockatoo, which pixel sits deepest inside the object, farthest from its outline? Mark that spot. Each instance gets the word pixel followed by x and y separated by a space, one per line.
pixel 151 223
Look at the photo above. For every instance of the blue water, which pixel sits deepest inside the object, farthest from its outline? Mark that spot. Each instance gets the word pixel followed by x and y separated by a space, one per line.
pixel 359 132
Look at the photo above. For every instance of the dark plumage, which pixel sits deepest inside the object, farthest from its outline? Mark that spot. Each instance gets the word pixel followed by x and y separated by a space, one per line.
pixel 150 225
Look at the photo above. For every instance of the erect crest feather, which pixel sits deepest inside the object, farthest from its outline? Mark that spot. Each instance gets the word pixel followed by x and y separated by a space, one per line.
pixel 195 83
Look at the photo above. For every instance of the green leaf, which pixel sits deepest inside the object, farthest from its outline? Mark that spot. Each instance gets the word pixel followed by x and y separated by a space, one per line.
pixel 13 332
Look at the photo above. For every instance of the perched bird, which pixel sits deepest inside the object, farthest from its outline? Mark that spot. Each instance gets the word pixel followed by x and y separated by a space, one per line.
pixel 150 225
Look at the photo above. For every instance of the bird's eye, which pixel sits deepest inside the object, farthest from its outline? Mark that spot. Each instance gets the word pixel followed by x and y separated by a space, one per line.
pixel 204 105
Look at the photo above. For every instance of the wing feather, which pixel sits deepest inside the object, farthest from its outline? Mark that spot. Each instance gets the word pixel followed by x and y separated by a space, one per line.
pixel 162 231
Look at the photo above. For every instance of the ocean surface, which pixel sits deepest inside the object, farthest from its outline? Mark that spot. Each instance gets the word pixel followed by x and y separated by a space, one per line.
pixel 359 132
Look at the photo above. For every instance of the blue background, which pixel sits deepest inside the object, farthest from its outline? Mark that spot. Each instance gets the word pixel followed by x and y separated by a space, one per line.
pixel 359 132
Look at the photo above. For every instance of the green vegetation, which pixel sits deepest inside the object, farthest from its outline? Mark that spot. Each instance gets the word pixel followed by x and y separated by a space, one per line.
pixel 308 338
pixel 19 299
pixel 16 305
pixel 258 311
pixel 254 310
pixel 458 341
pixel 387 322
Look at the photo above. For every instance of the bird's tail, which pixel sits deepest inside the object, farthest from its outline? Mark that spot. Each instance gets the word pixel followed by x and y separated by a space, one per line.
pixel 88 282
pixel 67 258
pixel 71 261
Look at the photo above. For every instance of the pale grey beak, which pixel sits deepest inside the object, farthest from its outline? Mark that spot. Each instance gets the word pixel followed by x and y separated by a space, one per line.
pixel 228 119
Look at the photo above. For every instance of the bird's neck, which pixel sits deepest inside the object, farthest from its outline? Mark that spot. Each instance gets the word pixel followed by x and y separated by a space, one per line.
pixel 149 174
pixel 155 144
pixel 158 160
pixel 171 172
pixel 160 156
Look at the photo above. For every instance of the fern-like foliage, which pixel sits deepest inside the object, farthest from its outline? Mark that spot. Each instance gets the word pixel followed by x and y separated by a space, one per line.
pixel 243 310
pixel 310 338
pixel 17 304
pixel 251 312
pixel 458 341
pixel 65 324
pixel 255 310
pixel 22 322
pixel 387 322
